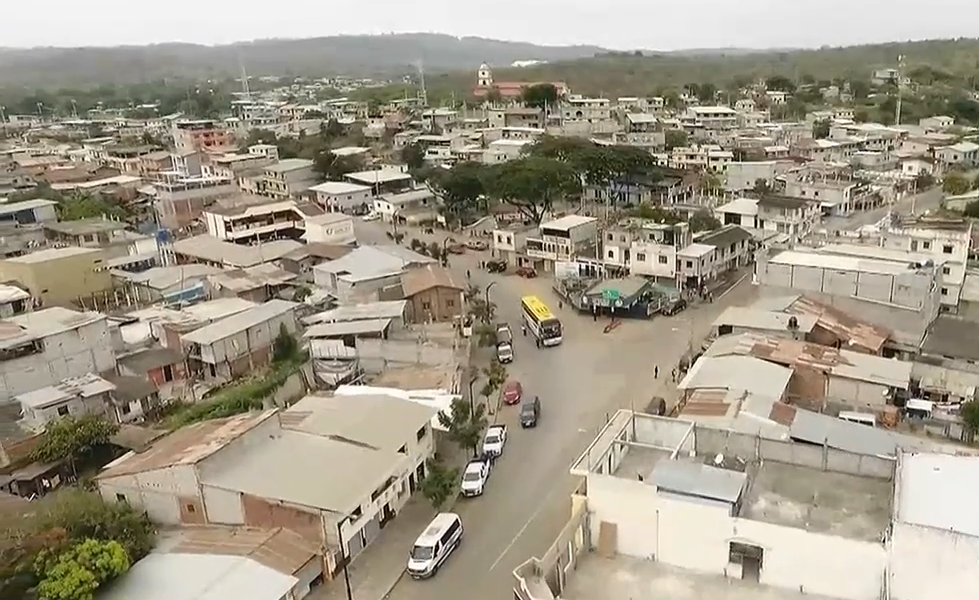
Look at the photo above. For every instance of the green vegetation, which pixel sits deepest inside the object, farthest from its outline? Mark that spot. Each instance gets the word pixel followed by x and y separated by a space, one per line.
pixel 73 439
pixel 465 423
pixel 317 148
pixel 70 544
pixel 248 395
pixel 956 183
pixel 540 96
pixel 76 206
pixel 439 483
pixel 970 418
pixel 496 375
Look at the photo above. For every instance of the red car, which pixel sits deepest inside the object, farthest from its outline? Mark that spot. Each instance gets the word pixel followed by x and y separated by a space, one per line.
pixel 512 393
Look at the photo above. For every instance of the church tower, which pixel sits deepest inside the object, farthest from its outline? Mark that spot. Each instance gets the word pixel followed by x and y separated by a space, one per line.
pixel 484 77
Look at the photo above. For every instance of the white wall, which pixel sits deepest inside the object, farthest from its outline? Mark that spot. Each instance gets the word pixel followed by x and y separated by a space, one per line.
pixel 928 564
pixel 222 506
pixel 696 537
pixel 155 491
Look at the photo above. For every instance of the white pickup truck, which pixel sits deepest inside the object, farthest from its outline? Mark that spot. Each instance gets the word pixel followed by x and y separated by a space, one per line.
pixel 475 476
pixel 504 343
pixel 494 440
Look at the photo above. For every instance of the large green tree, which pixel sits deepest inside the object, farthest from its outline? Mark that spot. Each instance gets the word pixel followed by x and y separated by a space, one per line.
pixel 532 184
pixel 461 190
pixel 540 95
pixel 465 423
pixel 72 439
pixel 439 483
pixel 955 184
pixel 77 572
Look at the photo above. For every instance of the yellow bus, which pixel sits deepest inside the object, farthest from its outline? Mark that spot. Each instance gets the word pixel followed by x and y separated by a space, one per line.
pixel 541 321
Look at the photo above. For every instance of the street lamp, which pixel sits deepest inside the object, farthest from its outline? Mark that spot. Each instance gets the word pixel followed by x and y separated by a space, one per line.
pixel 488 287
pixel 472 408
pixel 346 561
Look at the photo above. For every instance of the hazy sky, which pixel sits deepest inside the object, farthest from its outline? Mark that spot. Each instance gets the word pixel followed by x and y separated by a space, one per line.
pixel 619 24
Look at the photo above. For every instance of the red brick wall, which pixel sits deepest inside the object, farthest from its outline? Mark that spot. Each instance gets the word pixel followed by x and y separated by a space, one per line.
pixel 263 513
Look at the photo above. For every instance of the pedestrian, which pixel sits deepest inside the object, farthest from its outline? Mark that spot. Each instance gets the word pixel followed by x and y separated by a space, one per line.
pixel 656 372
pixel 674 375
pixel 560 305
pixel 468 274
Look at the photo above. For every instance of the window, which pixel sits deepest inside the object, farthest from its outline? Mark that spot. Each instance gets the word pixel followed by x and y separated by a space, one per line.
pixel 403 449
pixel 421 434
pixel 944 291
pixel 689 264
pixel 641 257
pixel 611 254
pixel 662 260
pixel 191 509
pixel 914 245
pixel 926 245
pixel 62 411
pixel 611 237
pixel 946 270
pixel 946 249
pixel 450 303
pixel 426 305
pixel 125 409
pixel 121 498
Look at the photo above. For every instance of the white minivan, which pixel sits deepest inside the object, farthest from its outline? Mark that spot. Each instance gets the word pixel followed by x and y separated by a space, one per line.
pixel 440 539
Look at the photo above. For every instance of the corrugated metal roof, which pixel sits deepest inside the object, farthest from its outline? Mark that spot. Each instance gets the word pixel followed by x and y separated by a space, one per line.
pixel 816 428
pixel 698 480
pixel 738 373
pixel 239 322
pixel 343 328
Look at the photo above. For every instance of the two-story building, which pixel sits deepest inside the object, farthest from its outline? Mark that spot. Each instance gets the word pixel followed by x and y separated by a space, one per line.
pixel 59 275
pixel 260 220
pixel 836 195
pixel 46 347
pixel 201 135
pixel 288 178
pixel 712 117
pixel 962 154
pixel 406 207
pixel 563 240
pixel 644 247
pixel 238 344
pixel 343 197
pixel 509 244
pixel 792 217
pixel 333 229
pixel 85 395
pixel 179 201
pixel 642 130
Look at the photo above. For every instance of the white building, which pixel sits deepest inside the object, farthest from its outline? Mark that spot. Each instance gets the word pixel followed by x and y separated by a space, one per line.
pixel 340 196
pixel 712 117
pixel 643 247
pixel 288 177
pixel 564 240
pixel 792 217
pixel 46 347
pixel 964 154
pixel 331 228
pixel 245 223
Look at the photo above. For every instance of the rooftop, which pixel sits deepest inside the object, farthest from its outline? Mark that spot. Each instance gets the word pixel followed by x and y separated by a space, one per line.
pixel 211 249
pixel 347 328
pixel 50 254
pixel 289 164
pixel 43 323
pixel 937 491
pixel 164 278
pixel 240 322
pixel 186 446
pixel 85 386
pixel 336 188
pixel 85 226
pixel 181 576
pixel 390 309
pixel 424 278
pixel 568 222
pixel 378 176
pixel 695 250
pixel 378 421
pixel 952 337
pixel 10 208
pixel 725 236
pixel 271 469
pixel 765 320
pixel 738 373
pixel 838 263
pixel 281 549
pixel 369 262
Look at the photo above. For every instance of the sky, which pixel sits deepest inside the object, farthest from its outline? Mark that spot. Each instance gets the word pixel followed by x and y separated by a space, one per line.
pixel 615 24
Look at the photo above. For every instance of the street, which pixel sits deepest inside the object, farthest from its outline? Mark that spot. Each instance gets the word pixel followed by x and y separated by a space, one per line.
pixel 589 376
pixel 917 204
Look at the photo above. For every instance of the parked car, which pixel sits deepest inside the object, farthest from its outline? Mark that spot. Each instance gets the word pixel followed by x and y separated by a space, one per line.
pixel 371 216
pixel 504 343
pixel 512 393
pixel 674 306
pixel 530 412
pixel 475 476
pixel 528 272
pixel 496 266
pixel 478 245
pixel 494 440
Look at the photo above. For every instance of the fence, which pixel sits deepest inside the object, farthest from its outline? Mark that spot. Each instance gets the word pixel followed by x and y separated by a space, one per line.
pixel 545 578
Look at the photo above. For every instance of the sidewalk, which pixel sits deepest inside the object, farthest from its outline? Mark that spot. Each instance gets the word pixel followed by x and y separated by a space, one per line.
pixel 379 568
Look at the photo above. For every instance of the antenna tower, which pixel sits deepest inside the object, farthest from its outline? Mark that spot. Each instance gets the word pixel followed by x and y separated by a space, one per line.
pixel 244 80
pixel 900 89
pixel 421 78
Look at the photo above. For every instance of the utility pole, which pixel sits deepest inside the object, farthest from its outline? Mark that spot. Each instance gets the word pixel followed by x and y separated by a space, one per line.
pixel 900 89
pixel 421 80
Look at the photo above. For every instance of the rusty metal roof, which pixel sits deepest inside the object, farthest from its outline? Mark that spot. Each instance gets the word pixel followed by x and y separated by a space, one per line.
pixel 279 549
pixel 859 334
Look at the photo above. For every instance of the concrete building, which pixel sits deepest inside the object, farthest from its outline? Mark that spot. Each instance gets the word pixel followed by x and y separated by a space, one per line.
pixel 362 274
pixel 794 218
pixel 238 344
pixel 642 130
pixel 963 154
pixel 200 135
pixel 208 250
pixel 744 176
pixel 563 239
pixel 945 241
pixel 59 275
pixel 733 248
pixel 728 514
pixel 28 212
pixel 433 295
pixel 712 117
pixel 838 197
pixel 244 471
pixel 46 347
pixel 14 301
pixel 86 395
pixel 410 207
pixel 334 229
pixel 260 221
pixel 645 247
pixel 340 196
pixel 288 178
pixel 179 202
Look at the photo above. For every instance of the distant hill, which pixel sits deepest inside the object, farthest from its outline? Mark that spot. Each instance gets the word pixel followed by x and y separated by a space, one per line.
pixel 359 55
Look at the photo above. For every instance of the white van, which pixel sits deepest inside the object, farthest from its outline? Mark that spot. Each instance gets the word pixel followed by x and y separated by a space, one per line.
pixel 440 539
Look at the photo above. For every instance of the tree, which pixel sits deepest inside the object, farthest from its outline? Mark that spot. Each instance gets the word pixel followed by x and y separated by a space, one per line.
pixel 924 181
pixel 332 167
pixel 496 375
pixel 493 96
pixel 331 130
pixel 761 187
pixel 657 214
pixel 955 184
pixel 675 138
pixel 703 220
pixel 540 95
pixel 72 439
pixel 413 155
pixel 285 347
pixel 972 209
pixel 779 83
pixel 77 572
pixel 439 483
pixel 465 423
pixel 461 190
pixel 707 93
pixel 820 129
pixel 532 184
pixel 88 206
pixel 970 418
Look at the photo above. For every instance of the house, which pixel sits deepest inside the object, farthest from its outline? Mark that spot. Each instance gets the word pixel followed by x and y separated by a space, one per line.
pixel 179 201
pixel 406 207
pixel 510 244
pixel 963 154
pixel 745 175
pixel 642 130
pixel 208 250
pixel 200 135
pixel 936 123
pixel 343 197
pixel 288 178
pixel 260 220
pixel 733 248
pixel 238 344
pixel 81 396
pixel 695 266
pixel 45 347
pixel 161 325
pixel 28 212
pixel 432 294
pixel 331 229
pixel 792 217
pixel 837 195
pixel 59 275
pixel 168 284
pixel 89 233
pixel 382 180
pixel 564 240
pixel 302 260
pixel 14 301
pixel 164 367
pixel 712 117
pixel 243 471
pixel 364 272
pixel 257 284
pixel 644 247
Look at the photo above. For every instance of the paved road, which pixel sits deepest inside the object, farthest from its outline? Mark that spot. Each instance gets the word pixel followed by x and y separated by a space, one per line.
pixel 918 204
pixel 589 376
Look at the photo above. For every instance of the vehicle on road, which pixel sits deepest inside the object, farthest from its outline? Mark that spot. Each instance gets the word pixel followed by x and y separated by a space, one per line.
pixel 541 321
pixel 478 245
pixel 494 440
pixel 530 412
pixel 440 539
pixel 673 306
pixel 504 343
pixel 496 266
pixel 512 393
pixel 475 476
pixel 527 272
pixel 371 216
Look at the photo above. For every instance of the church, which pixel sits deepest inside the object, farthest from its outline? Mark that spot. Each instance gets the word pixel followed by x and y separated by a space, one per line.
pixel 508 90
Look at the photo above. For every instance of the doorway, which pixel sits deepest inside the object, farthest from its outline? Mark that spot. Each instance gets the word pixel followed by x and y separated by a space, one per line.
pixel 751 558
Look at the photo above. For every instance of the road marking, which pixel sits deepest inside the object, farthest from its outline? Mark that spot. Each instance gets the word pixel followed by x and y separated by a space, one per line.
pixel 736 284
pixel 522 530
